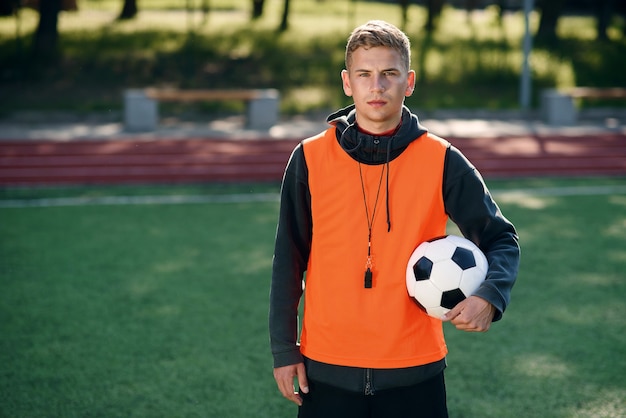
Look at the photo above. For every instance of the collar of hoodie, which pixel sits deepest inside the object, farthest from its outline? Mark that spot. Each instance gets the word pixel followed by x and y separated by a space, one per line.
pixel 373 149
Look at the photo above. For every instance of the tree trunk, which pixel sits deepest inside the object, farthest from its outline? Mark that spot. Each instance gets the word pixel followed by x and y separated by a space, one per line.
pixel 404 6
pixel 434 11
pixel 8 7
pixel 47 33
pixel 257 8
pixel 550 12
pixel 284 22
pixel 129 10
pixel 604 12
pixel 501 5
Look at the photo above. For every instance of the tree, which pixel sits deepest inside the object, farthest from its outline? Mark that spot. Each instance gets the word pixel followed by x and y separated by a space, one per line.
pixel 434 11
pixel 257 8
pixel 284 22
pixel 550 13
pixel 9 7
pixel 604 13
pixel 621 10
pixel 47 33
pixel 404 6
pixel 501 6
pixel 129 10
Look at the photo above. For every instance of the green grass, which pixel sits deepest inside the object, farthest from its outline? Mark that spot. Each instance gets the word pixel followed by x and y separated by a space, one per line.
pixel 160 310
pixel 467 63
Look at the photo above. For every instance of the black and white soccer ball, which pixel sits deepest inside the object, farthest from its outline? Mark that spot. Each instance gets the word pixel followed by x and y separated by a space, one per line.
pixel 444 271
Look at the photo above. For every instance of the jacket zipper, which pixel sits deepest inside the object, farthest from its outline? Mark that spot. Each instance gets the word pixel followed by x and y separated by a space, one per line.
pixel 369 387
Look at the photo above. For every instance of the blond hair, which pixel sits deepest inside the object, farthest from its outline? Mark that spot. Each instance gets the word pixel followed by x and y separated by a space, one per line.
pixel 377 33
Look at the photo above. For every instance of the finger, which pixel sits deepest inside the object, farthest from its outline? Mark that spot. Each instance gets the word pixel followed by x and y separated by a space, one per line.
pixel 288 391
pixel 285 381
pixel 452 314
pixel 463 323
pixel 286 388
pixel 295 398
pixel 465 327
pixel 303 382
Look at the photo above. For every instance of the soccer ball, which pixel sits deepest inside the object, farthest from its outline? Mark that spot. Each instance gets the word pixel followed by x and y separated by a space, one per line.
pixel 443 271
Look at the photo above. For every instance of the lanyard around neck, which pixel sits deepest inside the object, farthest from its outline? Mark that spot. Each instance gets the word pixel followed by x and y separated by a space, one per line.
pixel 370 224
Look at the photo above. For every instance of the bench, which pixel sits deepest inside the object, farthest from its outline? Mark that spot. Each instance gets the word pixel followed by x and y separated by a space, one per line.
pixel 141 105
pixel 557 105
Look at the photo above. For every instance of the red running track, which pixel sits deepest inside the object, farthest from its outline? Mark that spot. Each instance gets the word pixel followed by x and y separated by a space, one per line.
pixel 125 161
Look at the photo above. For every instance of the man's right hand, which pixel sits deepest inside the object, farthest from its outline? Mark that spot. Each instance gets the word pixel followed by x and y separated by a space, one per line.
pixel 285 376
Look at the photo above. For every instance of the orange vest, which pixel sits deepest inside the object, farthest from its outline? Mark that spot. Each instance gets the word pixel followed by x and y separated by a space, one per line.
pixel 344 322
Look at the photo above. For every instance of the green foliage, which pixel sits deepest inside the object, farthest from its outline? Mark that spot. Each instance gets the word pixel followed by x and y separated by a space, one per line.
pixel 161 310
pixel 472 61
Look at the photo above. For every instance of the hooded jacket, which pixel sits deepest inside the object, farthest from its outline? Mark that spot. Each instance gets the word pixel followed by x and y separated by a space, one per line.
pixel 466 201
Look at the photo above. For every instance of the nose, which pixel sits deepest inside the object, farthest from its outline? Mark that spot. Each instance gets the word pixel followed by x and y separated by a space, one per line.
pixel 378 83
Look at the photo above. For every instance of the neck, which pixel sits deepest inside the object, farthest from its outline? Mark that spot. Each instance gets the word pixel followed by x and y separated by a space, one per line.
pixel 388 132
pixel 379 128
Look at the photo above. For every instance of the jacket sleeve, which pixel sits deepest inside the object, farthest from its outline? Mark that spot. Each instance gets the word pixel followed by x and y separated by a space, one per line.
pixel 470 206
pixel 291 254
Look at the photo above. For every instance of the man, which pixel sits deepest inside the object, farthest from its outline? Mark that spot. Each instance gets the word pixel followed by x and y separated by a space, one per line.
pixel 356 200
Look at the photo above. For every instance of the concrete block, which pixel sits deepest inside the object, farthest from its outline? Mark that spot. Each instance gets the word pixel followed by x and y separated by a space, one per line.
pixel 141 113
pixel 263 110
pixel 557 108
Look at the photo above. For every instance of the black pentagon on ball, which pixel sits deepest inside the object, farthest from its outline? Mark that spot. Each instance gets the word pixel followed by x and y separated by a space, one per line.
pixel 422 269
pixel 451 298
pixel 464 258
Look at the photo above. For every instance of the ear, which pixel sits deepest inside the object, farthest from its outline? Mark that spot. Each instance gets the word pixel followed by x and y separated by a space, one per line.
pixel 411 83
pixel 345 78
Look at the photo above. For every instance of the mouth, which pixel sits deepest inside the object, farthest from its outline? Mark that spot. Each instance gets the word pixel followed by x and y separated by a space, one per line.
pixel 377 103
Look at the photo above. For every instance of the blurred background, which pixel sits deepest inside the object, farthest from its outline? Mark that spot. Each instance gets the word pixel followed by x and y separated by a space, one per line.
pixel 80 55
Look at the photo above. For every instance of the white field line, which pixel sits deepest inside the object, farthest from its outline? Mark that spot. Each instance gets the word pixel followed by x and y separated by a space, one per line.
pixel 139 200
pixel 274 197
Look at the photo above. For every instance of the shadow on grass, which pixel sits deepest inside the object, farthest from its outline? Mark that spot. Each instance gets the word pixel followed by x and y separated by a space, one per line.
pixel 559 339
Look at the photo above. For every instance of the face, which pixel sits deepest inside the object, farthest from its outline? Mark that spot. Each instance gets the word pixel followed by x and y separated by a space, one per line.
pixel 378 82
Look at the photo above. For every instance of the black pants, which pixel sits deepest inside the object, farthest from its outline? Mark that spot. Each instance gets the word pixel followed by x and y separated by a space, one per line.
pixel 424 400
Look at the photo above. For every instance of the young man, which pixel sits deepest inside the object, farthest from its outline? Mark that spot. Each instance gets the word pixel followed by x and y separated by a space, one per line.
pixel 356 200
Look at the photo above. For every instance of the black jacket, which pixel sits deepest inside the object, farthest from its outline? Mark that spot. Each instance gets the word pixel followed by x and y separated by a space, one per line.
pixel 467 201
